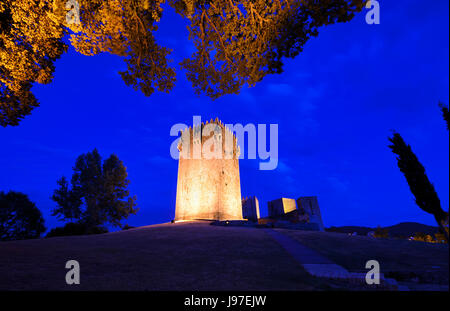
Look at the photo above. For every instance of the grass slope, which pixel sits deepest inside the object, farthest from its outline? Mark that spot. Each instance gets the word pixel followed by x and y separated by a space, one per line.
pixel 428 262
pixel 195 256
pixel 184 256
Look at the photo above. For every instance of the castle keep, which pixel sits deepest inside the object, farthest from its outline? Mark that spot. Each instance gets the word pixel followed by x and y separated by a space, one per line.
pixel 208 184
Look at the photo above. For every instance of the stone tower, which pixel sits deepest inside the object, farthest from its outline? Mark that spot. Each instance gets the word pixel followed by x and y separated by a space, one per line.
pixel 208 184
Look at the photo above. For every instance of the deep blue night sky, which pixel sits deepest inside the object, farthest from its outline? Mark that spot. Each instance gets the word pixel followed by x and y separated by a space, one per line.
pixel 335 104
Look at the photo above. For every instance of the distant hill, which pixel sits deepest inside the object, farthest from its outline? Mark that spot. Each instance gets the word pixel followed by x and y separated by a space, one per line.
pixel 404 229
pixel 409 228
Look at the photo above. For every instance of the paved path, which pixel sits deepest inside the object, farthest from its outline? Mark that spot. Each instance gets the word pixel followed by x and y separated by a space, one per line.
pixel 314 263
pixel 301 253
pixel 318 265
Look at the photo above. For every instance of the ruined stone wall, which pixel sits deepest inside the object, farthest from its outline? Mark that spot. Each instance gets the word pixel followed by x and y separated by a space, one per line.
pixel 250 208
pixel 281 206
pixel 310 205
pixel 208 187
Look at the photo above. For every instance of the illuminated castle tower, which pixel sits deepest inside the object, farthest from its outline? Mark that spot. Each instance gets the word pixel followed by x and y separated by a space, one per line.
pixel 208 174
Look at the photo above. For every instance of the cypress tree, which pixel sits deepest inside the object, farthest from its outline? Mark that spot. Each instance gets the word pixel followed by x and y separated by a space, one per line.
pixel 421 187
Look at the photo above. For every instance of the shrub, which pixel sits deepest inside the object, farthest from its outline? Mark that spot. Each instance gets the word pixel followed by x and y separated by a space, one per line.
pixel 423 237
pixel 75 229
pixel 440 237
pixel 127 227
pixel 381 233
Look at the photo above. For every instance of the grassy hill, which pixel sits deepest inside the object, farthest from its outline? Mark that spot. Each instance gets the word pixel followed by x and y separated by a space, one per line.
pixel 403 260
pixel 197 256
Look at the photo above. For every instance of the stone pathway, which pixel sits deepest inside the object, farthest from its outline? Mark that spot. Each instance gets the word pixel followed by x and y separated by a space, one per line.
pixel 318 265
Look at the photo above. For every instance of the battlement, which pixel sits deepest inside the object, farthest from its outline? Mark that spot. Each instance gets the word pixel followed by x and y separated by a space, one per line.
pixel 210 140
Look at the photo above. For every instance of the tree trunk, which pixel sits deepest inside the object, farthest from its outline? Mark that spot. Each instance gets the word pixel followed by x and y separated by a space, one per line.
pixel 442 226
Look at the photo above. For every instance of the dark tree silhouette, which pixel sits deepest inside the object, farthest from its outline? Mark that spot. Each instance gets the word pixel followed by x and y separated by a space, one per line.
pixel 69 202
pixel 19 217
pixel 422 189
pixel 445 114
pixel 237 42
pixel 99 193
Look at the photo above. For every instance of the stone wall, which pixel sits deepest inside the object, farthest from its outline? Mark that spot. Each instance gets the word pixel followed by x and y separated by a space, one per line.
pixel 310 206
pixel 281 206
pixel 250 209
